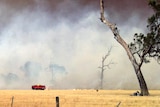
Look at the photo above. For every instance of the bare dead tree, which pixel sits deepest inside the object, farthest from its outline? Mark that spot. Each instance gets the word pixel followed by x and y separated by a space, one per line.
pixel 103 66
pixel 119 39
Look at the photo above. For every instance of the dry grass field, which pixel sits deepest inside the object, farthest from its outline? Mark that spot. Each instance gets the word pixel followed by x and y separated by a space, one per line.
pixel 78 98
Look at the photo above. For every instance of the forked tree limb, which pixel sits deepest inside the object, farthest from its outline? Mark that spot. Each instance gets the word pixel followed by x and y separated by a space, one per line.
pixel 108 53
pixel 104 58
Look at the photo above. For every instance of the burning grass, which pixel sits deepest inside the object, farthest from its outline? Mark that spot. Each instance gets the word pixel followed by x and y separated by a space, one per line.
pixel 78 98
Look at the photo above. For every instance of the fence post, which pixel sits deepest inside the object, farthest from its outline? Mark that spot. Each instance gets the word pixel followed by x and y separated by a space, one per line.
pixel 57 101
pixel 118 104
pixel 12 101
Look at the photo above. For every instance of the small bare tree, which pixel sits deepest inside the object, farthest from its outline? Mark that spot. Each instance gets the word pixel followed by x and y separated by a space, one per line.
pixel 103 67
pixel 136 65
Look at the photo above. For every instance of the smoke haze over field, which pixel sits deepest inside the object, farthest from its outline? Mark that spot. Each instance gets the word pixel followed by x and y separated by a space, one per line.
pixel 60 43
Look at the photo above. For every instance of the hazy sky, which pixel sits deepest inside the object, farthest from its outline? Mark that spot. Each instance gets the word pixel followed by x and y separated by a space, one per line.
pixel 67 37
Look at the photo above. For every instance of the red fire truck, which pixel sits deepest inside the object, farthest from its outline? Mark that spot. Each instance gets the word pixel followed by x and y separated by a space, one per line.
pixel 38 87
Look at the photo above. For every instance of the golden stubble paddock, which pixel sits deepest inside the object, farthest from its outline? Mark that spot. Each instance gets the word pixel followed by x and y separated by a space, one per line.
pixel 78 98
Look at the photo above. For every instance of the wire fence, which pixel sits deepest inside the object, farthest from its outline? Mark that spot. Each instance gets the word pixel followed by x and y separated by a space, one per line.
pixel 57 102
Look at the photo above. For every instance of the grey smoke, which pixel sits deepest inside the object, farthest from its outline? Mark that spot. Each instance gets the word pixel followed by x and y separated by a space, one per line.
pixel 32 69
pixel 67 35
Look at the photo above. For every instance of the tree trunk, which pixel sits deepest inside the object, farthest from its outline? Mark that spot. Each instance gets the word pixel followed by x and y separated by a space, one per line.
pixel 101 87
pixel 136 66
pixel 142 83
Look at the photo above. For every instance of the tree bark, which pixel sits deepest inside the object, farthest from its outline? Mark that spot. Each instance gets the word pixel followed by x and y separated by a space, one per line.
pixel 142 83
pixel 136 66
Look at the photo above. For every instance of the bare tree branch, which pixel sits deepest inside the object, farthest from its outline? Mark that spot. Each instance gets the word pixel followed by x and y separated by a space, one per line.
pixel 108 53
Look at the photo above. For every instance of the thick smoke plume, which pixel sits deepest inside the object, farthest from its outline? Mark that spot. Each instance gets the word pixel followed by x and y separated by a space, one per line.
pixel 60 43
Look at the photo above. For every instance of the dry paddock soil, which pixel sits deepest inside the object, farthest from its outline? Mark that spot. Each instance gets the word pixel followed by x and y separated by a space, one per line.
pixel 77 98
